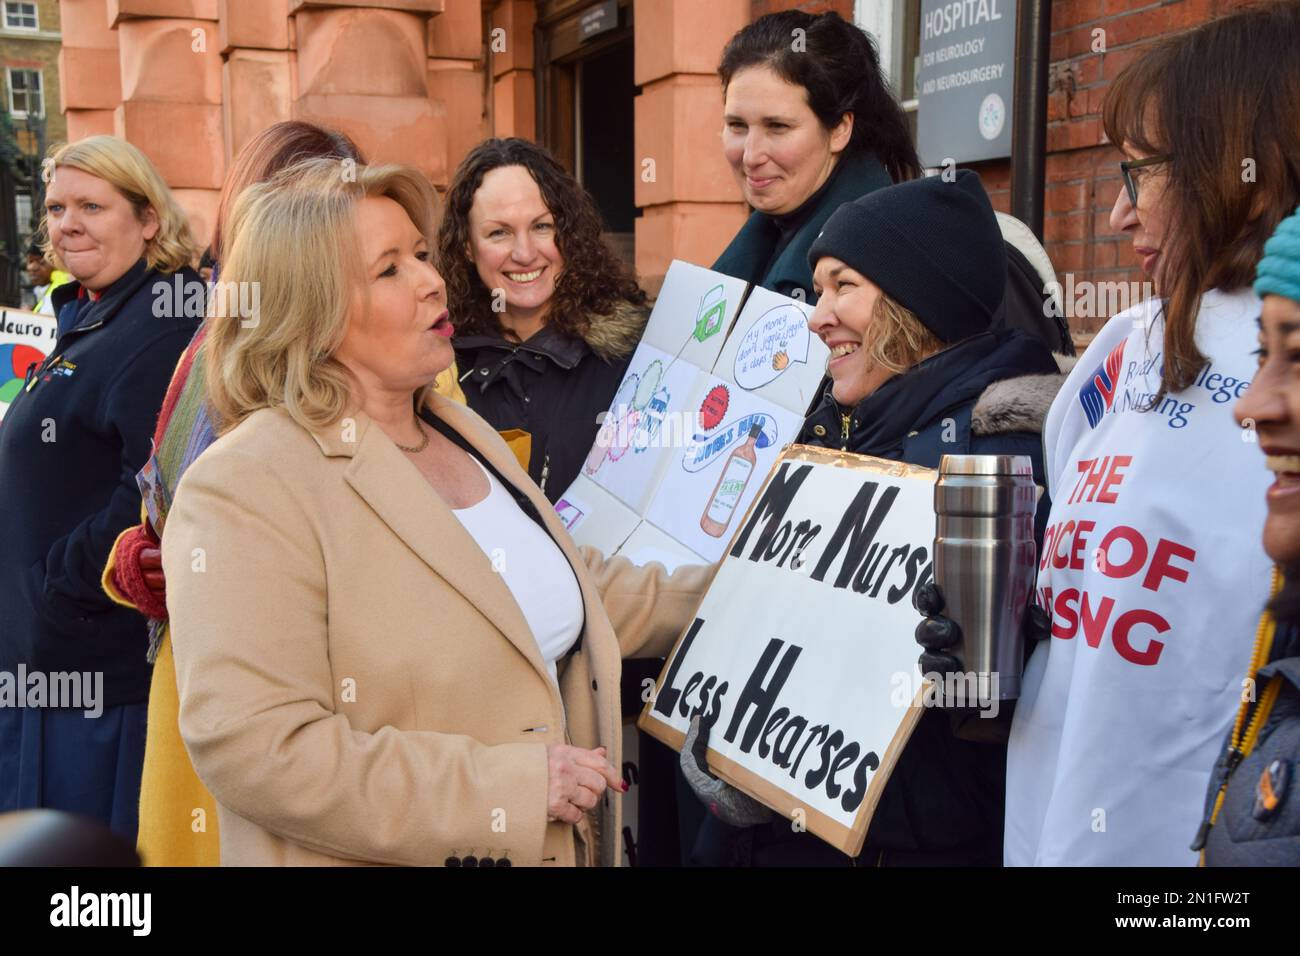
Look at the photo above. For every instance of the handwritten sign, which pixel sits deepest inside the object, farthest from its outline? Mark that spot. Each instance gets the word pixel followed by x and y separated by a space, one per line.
pixel 801 659
pixel 775 341
pixel 26 338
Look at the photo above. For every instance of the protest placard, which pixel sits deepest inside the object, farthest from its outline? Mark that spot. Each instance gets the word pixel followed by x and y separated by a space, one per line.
pixel 26 338
pixel 801 659
pixel 712 394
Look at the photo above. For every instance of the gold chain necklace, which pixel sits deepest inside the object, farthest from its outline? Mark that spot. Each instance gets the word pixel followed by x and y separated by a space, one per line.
pixel 424 440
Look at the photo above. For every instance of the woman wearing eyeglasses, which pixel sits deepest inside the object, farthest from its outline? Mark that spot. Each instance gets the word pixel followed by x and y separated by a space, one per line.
pixel 1150 566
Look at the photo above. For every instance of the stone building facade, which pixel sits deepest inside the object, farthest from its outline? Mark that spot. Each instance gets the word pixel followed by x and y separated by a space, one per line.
pixel 623 91
pixel 30 41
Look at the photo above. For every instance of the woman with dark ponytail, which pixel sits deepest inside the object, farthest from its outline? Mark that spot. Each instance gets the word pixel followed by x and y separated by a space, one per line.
pixel 809 124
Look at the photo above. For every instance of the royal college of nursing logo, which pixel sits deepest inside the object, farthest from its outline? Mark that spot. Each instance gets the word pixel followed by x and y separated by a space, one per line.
pixel 1098 394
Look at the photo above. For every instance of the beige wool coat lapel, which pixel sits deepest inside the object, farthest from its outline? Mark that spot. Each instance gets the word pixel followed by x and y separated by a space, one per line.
pixel 303 565
pixel 392 487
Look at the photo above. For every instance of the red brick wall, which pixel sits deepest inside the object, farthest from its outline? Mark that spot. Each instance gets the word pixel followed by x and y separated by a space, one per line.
pixel 1082 172
pixel 843 7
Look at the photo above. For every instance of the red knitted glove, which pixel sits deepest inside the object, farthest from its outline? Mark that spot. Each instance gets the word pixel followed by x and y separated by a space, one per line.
pixel 138 571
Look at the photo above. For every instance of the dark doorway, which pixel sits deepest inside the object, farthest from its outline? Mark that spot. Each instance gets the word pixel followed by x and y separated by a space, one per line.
pixel 606 164
pixel 585 110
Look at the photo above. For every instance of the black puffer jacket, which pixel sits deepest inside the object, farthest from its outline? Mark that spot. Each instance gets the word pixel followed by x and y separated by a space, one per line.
pixel 943 804
pixel 552 386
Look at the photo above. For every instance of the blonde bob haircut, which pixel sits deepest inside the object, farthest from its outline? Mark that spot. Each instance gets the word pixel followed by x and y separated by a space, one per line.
pixel 898 339
pixel 130 172
pixel 294 239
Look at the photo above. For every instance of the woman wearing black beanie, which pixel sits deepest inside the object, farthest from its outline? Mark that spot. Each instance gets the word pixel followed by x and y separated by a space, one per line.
pixel 909 279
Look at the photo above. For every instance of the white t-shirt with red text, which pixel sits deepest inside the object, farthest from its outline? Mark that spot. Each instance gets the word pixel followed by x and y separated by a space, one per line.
pixel 1153 569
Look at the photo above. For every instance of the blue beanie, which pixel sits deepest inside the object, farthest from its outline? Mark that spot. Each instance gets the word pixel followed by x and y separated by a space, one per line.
pixel 932 244
pixel 1278 272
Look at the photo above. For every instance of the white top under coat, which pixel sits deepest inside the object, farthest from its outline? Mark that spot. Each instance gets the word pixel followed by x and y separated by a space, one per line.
pixel 534 568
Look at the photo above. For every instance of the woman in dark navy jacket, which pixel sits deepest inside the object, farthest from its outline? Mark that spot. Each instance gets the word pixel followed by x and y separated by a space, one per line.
pixel 70 446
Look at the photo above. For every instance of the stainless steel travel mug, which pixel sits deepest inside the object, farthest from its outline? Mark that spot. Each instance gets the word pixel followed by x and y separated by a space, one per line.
pixel 984 562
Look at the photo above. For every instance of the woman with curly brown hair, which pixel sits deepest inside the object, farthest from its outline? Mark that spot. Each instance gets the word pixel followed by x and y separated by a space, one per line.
pixel 546 315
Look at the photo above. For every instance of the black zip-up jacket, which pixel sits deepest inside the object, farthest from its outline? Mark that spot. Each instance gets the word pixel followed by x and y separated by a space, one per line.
pixel 944 802
pixel 70 446
pixel 552 386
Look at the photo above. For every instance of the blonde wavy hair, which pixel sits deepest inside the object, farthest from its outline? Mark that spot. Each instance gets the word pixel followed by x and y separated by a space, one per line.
pixel 897 338
pixel 294 238
pixel 130 172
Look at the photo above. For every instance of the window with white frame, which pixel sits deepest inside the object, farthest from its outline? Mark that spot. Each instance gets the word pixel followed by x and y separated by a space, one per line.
pixel 21 16
pixel 26 94
pixel 896 27
pixel 23 209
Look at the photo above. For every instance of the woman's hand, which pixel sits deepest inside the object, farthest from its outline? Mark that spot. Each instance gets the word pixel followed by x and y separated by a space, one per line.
pixel 575 780
pixel 151 570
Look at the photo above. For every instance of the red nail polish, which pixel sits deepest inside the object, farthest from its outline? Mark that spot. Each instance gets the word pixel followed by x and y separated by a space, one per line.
pixel 625 786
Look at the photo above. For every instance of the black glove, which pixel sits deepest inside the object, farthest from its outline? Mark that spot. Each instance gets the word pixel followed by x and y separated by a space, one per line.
pixel 937 634
pixel 723 800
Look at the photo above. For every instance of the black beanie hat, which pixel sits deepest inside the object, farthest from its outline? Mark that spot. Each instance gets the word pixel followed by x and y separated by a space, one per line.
pixel 932 245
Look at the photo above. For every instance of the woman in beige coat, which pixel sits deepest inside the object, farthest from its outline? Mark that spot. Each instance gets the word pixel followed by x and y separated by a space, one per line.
pixel 388 650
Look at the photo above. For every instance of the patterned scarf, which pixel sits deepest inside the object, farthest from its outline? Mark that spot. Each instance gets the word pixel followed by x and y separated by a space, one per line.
pixel 185 429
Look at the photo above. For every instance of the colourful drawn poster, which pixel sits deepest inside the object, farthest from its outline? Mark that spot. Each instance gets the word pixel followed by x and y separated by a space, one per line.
pixel 693 314
pixel 642 427
pixel 647 543
pixel 718 385
pixel 771 352
pixel 593 516
pixel 26 338
pixel 713 479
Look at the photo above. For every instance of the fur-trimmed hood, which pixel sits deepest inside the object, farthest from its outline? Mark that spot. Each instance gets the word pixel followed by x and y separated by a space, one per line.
pixel 616 336
pixel 611 338
pixel 1019 404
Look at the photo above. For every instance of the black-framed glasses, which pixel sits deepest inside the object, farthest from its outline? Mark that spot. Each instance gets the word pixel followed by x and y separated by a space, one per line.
pixel 1126 170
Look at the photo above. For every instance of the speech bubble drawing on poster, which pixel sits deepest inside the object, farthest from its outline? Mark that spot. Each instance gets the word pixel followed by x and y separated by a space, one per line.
pixel 777 340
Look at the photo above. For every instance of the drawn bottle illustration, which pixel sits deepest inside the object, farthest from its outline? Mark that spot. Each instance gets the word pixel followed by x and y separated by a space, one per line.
pixel 731 486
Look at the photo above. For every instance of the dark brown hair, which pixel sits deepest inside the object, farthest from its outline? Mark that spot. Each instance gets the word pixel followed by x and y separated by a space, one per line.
pixel 1224 101
pixel 274 148
pixel 593 282
pixel 839 69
